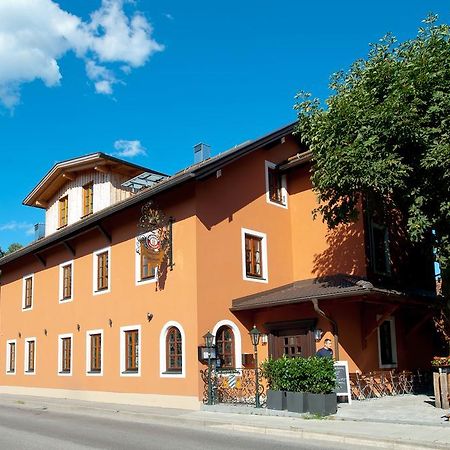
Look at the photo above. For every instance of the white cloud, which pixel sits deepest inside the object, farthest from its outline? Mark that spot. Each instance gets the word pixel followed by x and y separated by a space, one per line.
pixel 168 16
pixel 129 148
pixel 35 34
pixel 16 226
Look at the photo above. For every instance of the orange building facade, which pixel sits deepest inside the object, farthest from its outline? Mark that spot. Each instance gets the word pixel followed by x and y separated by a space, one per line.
pixel 84 314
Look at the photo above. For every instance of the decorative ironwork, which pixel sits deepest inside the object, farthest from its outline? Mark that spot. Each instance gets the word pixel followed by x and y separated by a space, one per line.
pixel 233 386
pixel 154 237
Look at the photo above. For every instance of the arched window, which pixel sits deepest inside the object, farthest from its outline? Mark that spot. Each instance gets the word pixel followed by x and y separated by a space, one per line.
pixel 225 346
pixel 174 350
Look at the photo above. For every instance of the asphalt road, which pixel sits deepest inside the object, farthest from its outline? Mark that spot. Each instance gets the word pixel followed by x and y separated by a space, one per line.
pixel 30 429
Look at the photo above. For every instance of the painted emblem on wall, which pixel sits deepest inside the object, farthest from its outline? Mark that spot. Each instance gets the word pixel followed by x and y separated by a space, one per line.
pixel 154 238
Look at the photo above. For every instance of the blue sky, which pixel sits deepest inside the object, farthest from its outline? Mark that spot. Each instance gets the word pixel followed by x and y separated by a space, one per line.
pixel 217 72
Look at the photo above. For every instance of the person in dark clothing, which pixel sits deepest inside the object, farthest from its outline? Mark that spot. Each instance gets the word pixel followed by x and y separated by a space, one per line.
pixel 325 351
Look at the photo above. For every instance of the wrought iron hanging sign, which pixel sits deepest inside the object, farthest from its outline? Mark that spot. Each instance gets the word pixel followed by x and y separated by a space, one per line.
pixel 154 237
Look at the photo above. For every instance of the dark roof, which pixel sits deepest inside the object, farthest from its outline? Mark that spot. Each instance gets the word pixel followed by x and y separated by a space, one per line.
pixel 335 286
pixel 196 171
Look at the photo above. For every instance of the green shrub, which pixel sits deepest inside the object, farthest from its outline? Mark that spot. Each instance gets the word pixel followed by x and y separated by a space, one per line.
pixel 315 375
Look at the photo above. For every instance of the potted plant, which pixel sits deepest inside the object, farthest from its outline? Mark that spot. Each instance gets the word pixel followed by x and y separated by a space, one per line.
pixel 296 375
pixel 320 379
pixel 273 371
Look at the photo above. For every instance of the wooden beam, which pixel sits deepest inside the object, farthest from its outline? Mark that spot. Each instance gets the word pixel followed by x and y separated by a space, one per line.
pixel 385 315
pixel 102 169
pixel 69 248
pixel 40 259
pixel 105 233
pixel 419 324
pixel 69 176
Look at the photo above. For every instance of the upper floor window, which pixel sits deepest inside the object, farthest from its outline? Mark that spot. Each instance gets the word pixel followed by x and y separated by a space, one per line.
pixel 88 199
pixel 145 268
pixel 63 211
pixel 94 352
pixel 276 192
pixel 102 270
pixel 381 262
pixel 254 255
pixel 65 354
pixel 66 281
pixel 27 292
pixel 30 355
pixel 130 350
pixel 11 356
pixel 225 347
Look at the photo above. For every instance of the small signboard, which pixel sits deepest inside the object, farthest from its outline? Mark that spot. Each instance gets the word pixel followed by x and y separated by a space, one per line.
pixel 342 380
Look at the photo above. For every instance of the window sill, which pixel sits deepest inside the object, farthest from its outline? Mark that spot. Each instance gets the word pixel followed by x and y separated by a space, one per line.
pixel 87 215
pixel 64 372
pixel 27 308
pixel 94 372
pixel 172 372
pixel 62 226
pixel 257 279
pixel 29 372
pixel 10 372
pixel 128 372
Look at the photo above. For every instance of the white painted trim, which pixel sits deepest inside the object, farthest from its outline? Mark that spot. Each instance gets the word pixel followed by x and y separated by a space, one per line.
pixel 162 351
pixel 95 291
pixel 265 271
pixel 123 373
pixel 391 321
pixel 11 341
pixel 31 275
pixel 88 353
pixel 61 273
pixel 60 338
pixel 270 165
pixel 25 359
pixel 137 265
pixel 191 402
pixel 237 340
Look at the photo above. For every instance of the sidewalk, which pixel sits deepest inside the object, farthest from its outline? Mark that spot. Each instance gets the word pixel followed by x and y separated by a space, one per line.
pixel 392 422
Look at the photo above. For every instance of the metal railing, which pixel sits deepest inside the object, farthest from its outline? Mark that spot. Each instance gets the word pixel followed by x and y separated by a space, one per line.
pixel 233 386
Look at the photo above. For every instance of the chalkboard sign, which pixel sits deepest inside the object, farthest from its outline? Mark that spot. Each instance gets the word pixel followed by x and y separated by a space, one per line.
pixel 342 380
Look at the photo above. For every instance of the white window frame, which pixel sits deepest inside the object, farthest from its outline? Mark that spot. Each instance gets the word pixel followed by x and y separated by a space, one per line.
pixel 123 372
pixel 61 282
pixel 60 354
pixel 265 268
pixel 31 275
pixel 162 351
pixel 237 339
pixel 95 290
pixel 137 260
pixel 8 354
pixel 270 165
pixel 26 352
pixel 89 333
pixel 394 365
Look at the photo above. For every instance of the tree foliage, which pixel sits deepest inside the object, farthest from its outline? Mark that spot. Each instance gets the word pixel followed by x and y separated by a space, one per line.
pixel 384 137
pixel 12 248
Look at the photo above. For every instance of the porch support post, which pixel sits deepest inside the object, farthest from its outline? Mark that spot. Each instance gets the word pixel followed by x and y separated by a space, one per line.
pixel 315 303
pixel 385 315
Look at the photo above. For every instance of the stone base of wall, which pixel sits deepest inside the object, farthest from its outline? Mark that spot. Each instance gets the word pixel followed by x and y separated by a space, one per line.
pixel 157 400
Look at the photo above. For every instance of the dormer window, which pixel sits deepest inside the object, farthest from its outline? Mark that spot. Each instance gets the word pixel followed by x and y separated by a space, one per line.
pixel 63 211
pixel 88 199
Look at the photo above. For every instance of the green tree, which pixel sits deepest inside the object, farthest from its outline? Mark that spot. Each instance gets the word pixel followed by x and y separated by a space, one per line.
pixel 384 139
pixel 12 248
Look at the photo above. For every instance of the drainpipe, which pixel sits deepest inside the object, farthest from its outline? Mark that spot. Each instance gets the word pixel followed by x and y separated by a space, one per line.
pixel 315 303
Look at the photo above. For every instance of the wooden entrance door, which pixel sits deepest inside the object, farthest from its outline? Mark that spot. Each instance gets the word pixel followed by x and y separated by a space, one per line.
pixel 292 339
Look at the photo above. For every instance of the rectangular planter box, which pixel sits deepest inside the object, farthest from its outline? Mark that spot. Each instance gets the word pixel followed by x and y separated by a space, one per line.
pixel 323 404
pixel 296 402
pixel 276 400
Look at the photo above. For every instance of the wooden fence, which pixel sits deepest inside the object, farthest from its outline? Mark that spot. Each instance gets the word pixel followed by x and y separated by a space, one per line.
pixel 441 383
